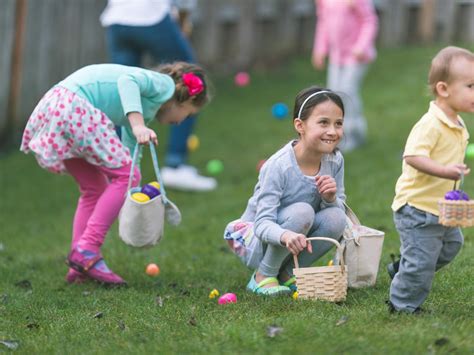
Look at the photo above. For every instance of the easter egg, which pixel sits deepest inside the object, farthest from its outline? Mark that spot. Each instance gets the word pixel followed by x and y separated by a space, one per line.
pixel 140 197
pixel 470 151
pixel 150 191
pixel 155 184
pixel 152 270
pixel 227 298
pixel 280 110
pixel 213 294
pixel 242 79
pixel 193 143
pixel 214 167
pixel 456 195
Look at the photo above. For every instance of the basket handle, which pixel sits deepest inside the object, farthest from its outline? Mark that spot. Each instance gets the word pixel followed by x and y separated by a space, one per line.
pixel 335 242
pixel 154 158
pixel 461 183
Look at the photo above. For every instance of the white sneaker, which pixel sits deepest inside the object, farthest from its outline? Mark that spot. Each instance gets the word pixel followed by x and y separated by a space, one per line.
pixel 187 178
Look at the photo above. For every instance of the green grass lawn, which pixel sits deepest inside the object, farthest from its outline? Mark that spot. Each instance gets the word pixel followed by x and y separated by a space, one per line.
pixel 172 313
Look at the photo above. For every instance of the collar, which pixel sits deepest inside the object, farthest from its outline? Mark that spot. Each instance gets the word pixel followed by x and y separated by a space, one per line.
pixel 440 115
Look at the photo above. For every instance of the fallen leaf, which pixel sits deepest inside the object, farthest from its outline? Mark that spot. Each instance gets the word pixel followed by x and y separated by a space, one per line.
pixel 32 326
pixel 273 331
pixel 159 301
pixel 192 321
pixel 10 344
pixel 26 284
pixel 342 320
pixel 98 315
pixel 441 341
pixel 184 292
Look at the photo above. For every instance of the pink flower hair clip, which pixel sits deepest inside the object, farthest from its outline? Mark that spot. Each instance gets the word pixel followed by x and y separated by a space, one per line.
pixel 194 83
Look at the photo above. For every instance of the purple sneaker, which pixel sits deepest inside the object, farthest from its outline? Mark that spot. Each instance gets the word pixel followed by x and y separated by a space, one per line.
pixel 93 265
pixel 75 277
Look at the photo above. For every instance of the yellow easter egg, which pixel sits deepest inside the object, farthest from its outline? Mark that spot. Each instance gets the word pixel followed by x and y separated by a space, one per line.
pixel 155 184
pixel 214 293
pixel 193 142
pixel 140 197
pixel 331 263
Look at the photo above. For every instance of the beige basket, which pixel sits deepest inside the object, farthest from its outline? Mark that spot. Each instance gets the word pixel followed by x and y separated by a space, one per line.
pixel 362 251
pixel 456 213
pixel 322 282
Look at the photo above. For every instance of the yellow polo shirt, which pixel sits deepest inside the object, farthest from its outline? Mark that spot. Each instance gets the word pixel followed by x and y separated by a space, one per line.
pixel 434 136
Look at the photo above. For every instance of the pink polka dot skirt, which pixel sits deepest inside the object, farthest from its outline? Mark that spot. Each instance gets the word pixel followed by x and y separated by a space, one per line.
pixel 64 126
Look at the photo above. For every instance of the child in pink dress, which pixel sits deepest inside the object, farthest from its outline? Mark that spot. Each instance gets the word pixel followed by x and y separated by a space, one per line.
pixel 345 33
pixel 72 131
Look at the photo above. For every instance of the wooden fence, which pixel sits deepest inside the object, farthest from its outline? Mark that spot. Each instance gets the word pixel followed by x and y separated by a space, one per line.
pixel 45 40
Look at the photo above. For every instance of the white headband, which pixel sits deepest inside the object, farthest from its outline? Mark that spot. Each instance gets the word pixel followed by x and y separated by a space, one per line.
pixel 309 97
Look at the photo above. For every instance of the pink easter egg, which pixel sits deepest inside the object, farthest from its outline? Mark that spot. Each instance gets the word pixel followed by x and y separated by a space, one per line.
pixel 242 79
pixel 227 298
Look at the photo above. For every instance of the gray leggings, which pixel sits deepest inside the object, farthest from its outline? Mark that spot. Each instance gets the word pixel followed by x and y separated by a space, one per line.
pixel 301 218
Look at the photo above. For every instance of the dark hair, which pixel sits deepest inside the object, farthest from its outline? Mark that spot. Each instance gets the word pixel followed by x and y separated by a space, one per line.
pixel 181 94
pixel 314 101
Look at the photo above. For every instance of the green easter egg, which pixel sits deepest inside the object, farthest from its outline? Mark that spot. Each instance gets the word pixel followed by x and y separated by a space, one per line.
pixel 214 167
pixel 470 151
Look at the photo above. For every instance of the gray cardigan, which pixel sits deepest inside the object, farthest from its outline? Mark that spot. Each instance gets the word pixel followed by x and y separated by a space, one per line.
pixel 281 183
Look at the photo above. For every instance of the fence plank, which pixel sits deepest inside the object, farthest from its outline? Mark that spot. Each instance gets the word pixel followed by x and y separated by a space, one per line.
pixel 7 28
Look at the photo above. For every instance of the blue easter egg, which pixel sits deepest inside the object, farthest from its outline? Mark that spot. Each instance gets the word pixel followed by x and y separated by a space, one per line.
pixel 279 110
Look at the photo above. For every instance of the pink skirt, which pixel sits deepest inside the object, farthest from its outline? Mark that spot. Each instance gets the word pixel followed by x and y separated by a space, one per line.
pixel 64 126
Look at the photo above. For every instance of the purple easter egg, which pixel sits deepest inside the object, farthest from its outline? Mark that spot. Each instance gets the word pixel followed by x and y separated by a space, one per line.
pixel 150 191
pixel 456 195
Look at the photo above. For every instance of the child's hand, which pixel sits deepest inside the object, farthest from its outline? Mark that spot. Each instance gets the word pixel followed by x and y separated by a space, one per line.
pixel 327 187
pixel 318 61
pixel 454 171
pixel 144 135
pixel 359 55
pixel 295 242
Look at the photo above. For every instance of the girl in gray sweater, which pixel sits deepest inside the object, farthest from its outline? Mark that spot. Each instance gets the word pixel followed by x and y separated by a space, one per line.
pixel 299 194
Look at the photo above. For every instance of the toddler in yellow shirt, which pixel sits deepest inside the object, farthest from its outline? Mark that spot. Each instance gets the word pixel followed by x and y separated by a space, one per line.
pixel 433 157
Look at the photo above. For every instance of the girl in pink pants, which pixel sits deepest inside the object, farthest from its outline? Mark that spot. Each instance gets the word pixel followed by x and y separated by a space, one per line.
pixel 72 131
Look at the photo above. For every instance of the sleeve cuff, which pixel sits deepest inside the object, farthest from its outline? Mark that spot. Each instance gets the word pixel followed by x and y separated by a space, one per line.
pixel 132 108
pixel 337 203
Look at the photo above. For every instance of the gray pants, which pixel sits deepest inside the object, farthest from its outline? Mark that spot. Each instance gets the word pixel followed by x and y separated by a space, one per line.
pixel 426 246
pixel 346 80
pixel 300 218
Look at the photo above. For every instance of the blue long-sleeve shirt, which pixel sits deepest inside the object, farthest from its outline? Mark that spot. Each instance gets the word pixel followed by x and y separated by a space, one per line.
pixel 281 183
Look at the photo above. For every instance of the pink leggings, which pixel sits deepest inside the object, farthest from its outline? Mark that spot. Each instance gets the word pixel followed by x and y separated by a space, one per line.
pixel 103 193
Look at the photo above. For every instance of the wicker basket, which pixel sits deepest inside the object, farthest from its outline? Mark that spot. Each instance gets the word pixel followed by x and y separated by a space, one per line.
pixel 456 213
pixel 323 282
